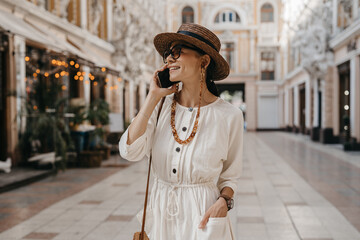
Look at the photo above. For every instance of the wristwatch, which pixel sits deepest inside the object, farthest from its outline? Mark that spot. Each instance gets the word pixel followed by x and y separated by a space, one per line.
pixel 229 201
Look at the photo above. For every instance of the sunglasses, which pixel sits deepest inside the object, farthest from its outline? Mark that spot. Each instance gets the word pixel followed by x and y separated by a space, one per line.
pixel 175 51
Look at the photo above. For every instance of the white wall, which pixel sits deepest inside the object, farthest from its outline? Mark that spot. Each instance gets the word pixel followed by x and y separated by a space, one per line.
pixel 268 111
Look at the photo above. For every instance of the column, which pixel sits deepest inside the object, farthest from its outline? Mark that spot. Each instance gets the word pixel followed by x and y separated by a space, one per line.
pixel 83 15
pixel 285 60
pixel 19 45
pixel 252 55
pixel 296 106
pixel 281 109
pixel 329 106
pixel 355 9
pixel 330 100
pixel 245 57
pixel 131 100
pixel 354 95
pixel 109 20
pixel 121 97
pixel 286 107
pixel 335 16
pixel 12 133
pixel 316 103
pixel 127 102
pixel 308 103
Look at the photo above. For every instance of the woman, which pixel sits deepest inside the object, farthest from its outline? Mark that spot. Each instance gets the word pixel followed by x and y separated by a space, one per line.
pixel 196 145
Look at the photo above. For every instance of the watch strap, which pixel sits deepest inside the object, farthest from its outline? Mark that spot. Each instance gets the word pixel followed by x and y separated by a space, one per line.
pixel 229 201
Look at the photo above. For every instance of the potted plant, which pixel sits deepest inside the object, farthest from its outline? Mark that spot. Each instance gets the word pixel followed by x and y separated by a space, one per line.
pixel 46 128
pixel 98 115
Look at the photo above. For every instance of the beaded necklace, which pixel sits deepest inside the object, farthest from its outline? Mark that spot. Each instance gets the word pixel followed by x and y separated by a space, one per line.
pixel 173 108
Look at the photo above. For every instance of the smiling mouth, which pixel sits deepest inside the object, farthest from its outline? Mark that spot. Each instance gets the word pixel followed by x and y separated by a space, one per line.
pixel 173 68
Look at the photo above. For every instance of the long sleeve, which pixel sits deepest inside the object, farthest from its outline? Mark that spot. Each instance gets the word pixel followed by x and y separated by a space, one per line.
pixel 137 150
pixel 232 165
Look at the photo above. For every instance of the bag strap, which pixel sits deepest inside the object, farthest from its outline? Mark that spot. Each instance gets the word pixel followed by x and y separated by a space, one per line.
pixel 148 178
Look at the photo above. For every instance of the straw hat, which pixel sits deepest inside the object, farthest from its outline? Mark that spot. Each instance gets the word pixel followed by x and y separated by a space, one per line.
pixel 199 37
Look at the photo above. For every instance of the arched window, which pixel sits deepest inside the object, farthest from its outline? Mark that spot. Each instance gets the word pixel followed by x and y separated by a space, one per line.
pixel 228 52
pixel 267 13
pixel 188 15
pixel 227 16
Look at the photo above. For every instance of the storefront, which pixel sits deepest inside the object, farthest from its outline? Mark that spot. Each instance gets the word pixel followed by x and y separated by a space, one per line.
pixel 3 91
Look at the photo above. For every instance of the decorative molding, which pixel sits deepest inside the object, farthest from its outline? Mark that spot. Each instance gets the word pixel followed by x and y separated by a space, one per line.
pixel 213 9
pixel 346 35
pixel 311 39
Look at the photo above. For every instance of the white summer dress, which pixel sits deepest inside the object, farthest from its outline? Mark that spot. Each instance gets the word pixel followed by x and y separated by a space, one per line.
pixel 188 178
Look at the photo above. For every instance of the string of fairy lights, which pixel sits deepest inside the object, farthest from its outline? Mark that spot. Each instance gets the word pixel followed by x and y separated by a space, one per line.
pixel 61 68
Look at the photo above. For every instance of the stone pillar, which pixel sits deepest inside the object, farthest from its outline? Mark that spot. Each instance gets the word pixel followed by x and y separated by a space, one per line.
pixel 308 104
pixel 286 107
pixel 12 133
pixel 251 106
pixel 244 57
pixel 131 100
pixel 354 98
pixel 316 103
pixel 20 47
pixel 315 123
pixel 296 108
pixel 83 14
pixel 127 102
pixel 330 109
pixel 334 16
pixel 355 9
pixel 252 49
pixel 121 97
pixel 285 60
pixel 291 108
pixel 109 20
pixel 281 109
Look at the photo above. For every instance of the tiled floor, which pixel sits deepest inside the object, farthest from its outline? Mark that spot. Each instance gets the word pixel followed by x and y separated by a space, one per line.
pixel 283 195
pixel 20 204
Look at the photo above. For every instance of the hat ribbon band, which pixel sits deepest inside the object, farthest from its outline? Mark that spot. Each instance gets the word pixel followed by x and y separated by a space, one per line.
pixel 191 34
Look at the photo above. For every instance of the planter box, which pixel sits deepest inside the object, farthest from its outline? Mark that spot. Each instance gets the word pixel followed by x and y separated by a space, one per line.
pixel 90 159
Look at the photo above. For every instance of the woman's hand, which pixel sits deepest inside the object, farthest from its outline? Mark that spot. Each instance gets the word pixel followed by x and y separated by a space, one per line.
pixel 218 209
pixel 156 90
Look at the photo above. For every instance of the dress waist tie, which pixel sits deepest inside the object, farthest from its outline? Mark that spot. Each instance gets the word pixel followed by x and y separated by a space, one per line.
pixel 172 207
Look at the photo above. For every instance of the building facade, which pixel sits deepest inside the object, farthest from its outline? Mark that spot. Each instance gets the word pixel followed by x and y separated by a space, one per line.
pixel 95 49
pixel 249 31
pixel 321 82
pixel 294 64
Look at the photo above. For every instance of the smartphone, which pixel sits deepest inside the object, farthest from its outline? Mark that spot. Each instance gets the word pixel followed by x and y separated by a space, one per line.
pixel 164 79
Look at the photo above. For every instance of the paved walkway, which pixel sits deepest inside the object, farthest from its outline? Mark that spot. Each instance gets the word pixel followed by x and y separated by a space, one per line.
pixel 277 199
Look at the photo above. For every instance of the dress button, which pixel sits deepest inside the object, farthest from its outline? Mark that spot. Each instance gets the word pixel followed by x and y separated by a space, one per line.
pixel 184 129
pixel 177 149
pixel 174 170
pixel 190 109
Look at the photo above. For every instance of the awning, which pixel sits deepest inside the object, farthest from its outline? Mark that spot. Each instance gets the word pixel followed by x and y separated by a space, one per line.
pixel 91 55
pixel 15 25
pixel 62 44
